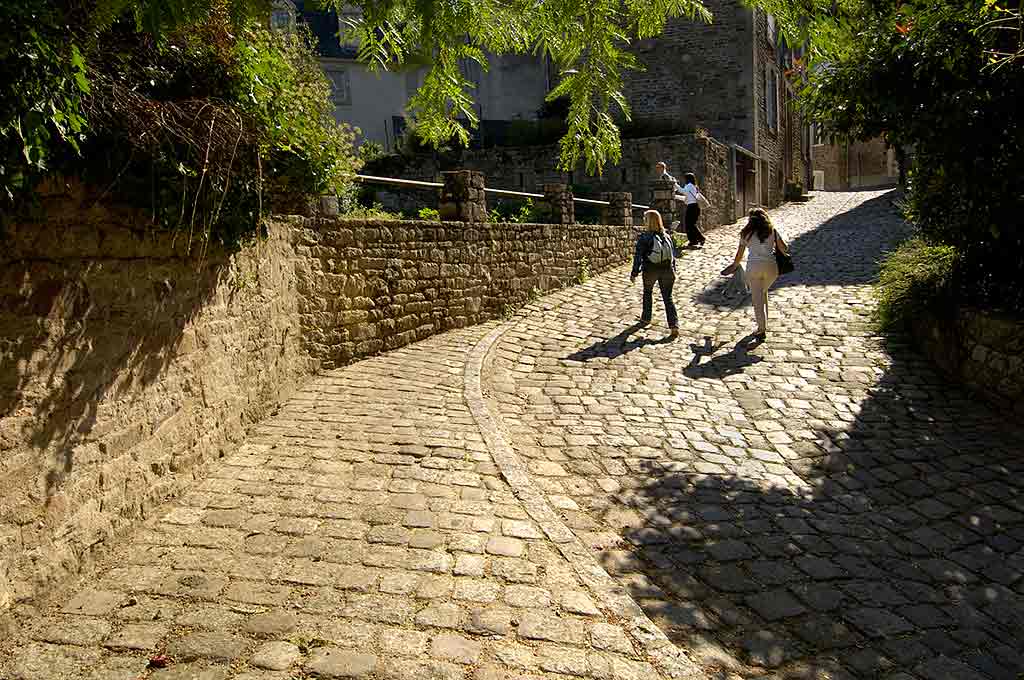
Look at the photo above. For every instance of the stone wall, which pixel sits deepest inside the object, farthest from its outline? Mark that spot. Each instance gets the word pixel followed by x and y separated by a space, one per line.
pixel 120 374
pixel 855 164
pixel 371 286
pixel 126 362
pixel 981 350
pixel 529 168
pixel 770 137
pixel 698 73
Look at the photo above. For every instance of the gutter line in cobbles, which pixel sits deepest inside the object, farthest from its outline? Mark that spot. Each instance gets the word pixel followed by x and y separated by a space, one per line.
pixel 670 661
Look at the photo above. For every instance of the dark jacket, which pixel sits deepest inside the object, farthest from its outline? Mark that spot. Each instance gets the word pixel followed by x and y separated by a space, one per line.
pixel 644 245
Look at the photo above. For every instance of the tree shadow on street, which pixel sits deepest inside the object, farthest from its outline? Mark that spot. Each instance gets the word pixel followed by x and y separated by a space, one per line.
pixel 832 254
pixel 870 523
pixel 900 548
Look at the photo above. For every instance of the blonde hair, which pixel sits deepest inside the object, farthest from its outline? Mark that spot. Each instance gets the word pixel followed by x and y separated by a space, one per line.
pixel 652 220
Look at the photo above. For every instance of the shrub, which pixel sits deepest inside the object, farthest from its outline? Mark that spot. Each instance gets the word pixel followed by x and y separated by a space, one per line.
pixel 203 118
pixel 373 212
pixel 430 214
pixel 582 270
pixel 917 275
pixel 41 109
pixel 369 151
pixel 506 212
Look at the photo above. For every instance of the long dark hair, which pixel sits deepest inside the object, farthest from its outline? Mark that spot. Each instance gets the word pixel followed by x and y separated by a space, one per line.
pixel 758 223
pixel 690 178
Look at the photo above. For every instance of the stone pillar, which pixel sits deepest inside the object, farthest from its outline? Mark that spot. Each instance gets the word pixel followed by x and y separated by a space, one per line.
pixel 664 201
pixel 462 197
pixel 619 210
pixel 558 204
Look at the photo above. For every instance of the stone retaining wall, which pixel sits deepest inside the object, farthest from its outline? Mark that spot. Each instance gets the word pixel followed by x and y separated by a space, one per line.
pixel 126 363
pixel 530 168
pixel 369 286
pixel 983 351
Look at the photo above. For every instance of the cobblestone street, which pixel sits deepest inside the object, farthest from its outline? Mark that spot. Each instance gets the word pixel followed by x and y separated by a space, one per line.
pixel 822 506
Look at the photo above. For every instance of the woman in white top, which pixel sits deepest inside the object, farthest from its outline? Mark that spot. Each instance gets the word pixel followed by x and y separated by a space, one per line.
pixel 690 191
pixel 759 238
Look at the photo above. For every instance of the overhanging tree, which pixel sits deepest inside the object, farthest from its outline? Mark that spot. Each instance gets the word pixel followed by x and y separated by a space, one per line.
pixel 587 41
pixel 944 79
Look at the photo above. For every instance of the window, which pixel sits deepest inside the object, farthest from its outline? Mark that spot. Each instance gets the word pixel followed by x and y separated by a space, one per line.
pixel 817 135
pixel 281 20
pixel 764 89
pixel 772 97
pixel 341 93
pixel 771 30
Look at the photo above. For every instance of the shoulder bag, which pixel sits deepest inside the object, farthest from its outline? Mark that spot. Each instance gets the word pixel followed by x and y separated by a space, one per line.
pixel 784 261
pixel 702 201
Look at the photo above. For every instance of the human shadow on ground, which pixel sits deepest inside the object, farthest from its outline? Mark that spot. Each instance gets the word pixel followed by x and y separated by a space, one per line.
pixel 721 365
pixel 832 254
pixel 870 520
pixel 617 345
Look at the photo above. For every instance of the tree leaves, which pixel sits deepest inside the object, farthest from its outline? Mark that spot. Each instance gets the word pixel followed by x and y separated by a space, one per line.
pixel 587 41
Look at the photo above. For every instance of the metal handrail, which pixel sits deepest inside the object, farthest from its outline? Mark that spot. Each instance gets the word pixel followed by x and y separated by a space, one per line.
pixel 498 192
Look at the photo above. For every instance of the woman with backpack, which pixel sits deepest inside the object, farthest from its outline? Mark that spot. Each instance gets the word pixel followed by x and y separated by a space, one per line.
pixel 655 257
pixel 762 241
pixel 691 196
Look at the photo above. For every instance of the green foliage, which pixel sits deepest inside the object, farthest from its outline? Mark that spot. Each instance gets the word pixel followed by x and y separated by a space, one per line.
pixel 42 62
pixel 507 213
pixel 192 109
pixel 373 212
pixel 369 151
pixel 917 275
pixel 582 270
pixel 279 82
pixel 587 41
pixel 679 241
pixel 429 214
pixel 940 79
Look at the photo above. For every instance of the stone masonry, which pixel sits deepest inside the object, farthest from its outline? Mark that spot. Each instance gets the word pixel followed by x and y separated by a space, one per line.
pixel 462 197
pixel 128 363
pixel 530 168
pixel 619 209
pixel 567 496
pixel 558 204
pixel 371 286
pixel 120 375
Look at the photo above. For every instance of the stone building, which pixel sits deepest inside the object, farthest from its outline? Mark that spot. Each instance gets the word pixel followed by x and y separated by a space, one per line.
pixel 733 78
pixel 842 164
pixel 730 78
pixel 513 88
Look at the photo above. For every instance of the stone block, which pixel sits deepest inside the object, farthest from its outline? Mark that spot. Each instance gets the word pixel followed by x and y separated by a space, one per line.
pixel 462 197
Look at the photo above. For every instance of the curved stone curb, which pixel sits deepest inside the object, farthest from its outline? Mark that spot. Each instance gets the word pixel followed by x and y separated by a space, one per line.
pixel 661 652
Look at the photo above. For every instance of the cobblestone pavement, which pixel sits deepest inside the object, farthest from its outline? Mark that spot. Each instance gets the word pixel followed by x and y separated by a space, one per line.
pixel 364 531
pixel 819 506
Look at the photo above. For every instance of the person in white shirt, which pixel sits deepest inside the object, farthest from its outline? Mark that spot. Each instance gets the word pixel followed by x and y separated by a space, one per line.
pixel 692 215
pixel 760 239
pixel 661 170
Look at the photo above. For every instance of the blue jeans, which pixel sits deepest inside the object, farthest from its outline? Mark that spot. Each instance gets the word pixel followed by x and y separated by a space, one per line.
pixel 665 278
